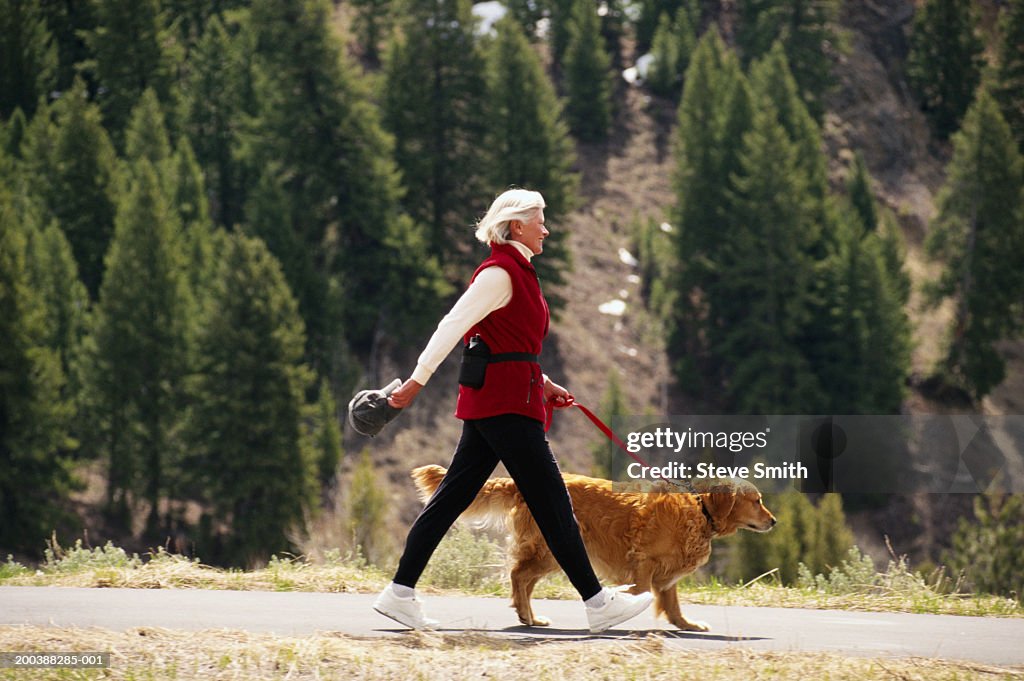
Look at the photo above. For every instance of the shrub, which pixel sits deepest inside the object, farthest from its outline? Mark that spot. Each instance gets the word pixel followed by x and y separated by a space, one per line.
pixel 467 562
pixel 11 568
pixel 986 549
pixel 79 559
pixel 815 536
pixel 856 574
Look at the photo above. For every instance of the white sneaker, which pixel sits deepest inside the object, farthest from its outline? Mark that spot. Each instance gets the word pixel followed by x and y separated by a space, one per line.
pixel 407 611
pixel 618 607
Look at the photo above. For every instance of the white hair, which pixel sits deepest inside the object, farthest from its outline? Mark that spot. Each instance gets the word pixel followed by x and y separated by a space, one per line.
pixel 512 204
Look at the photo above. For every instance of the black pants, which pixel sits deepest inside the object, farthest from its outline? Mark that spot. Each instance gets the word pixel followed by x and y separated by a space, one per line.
pixel 519 443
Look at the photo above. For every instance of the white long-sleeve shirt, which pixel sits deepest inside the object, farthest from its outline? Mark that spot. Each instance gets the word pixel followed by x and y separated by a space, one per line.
pixel 490 291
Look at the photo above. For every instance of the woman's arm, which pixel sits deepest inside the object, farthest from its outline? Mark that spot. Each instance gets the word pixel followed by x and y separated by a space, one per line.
pixel 490 290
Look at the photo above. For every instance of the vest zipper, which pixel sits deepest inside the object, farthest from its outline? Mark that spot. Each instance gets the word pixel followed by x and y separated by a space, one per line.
pixel 533 380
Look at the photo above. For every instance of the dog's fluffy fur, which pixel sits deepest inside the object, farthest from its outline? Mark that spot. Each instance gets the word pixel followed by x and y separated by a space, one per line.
pixel 648 539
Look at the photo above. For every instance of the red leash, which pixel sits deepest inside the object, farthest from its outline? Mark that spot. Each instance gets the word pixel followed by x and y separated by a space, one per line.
pixel 601 425
pixel 685 486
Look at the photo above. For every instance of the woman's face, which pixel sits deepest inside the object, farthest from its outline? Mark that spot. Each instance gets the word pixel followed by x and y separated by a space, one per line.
pixel 531 233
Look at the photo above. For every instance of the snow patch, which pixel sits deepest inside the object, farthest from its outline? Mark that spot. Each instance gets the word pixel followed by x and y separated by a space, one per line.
pixel 637 74
pixel 488 14
pixel 615 308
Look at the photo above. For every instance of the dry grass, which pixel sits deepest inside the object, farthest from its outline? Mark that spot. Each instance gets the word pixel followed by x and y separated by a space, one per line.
pixel 111 567
pixel 880 600
pixel 154 654
pixel 470 564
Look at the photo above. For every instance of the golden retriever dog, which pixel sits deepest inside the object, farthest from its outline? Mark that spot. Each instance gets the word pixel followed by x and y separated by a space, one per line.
pixel 647 539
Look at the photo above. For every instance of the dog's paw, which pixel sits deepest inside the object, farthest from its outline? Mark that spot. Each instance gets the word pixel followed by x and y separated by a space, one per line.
pixel 537 621
pixel 541 621
pixel 695 625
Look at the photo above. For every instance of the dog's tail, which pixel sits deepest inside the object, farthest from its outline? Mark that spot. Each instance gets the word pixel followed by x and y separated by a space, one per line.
pixel 496 498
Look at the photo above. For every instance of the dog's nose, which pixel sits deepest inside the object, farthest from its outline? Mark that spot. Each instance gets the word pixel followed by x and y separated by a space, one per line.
pixel 774 521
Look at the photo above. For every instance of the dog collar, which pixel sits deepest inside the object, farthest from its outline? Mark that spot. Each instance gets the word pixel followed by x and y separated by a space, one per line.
pixel 704 510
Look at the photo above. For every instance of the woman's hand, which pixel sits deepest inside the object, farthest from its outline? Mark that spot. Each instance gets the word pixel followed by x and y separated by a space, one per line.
pixel 555 394
pixel 405 394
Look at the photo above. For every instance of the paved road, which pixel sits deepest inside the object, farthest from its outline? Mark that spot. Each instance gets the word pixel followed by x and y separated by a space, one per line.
pixel 981 639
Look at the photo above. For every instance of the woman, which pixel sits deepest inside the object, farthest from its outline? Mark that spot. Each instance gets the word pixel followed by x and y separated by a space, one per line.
pixel 503 420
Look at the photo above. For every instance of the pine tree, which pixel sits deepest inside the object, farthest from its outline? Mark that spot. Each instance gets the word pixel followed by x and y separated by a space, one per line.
pixel 71 167
pixel 372 21
pixel 860 321
pixel 433 104
pixel 888 234
pixel 325 436
pixel 133 51
pixel 613 405
pixel 189 188
pixel 146 136
pixel 31 159
pixel 317 139
pixel 986 548
pixel 651 11
pixel 189 197
pixel 12 135
pixel 68 21
pixel 714 113
pixel 35 476
pixel 367 509
pixel 977 236
pixel 673 46
pixel 192 18
pixel 134 362
pixel 654 248
pixel 28 57
pixel 833 537
pixel 54 276
pixel 876 256
pixel 587 76
pixel 765 276
pixel 771 78
pixel 217 97
pixel 663 77
pixel 559 31
pixel 859 189
pixel 945 61
pixel 527 142
pixel 248 453
pixel 687 23
pixel 806 30
pixel 611 21
pixel 1009 77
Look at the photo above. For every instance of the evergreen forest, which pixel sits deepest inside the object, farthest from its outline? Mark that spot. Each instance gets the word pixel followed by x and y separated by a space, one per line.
pixel 220 219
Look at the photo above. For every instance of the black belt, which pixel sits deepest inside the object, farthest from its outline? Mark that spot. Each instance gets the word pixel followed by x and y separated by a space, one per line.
pixel 513 357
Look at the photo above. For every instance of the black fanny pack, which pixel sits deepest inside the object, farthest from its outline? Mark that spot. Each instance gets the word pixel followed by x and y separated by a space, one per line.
pixel 476 356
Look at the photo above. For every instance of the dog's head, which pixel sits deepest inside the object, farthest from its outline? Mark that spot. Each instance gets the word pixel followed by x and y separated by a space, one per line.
pixel 736 505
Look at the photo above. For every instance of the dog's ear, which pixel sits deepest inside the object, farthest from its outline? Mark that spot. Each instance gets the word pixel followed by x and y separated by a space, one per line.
pixel 719 500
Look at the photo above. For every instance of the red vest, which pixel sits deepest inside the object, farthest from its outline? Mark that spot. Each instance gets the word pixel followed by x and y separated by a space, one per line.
pixel 520 326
